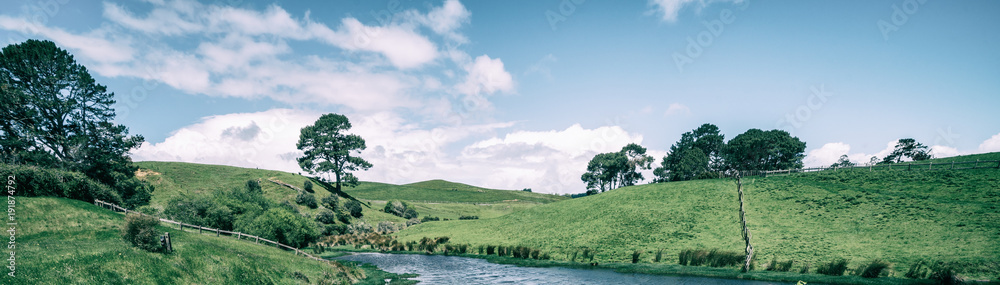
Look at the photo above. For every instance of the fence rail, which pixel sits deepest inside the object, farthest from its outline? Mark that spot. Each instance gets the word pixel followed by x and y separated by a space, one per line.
pixel 218 232
pixel 954 165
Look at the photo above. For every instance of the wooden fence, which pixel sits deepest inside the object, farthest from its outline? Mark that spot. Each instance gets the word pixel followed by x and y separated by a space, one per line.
pixel 217 232
pixel 954 165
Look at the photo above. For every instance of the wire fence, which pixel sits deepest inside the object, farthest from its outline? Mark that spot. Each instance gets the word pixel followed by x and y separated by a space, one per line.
pixel 202 230
pixel 953 165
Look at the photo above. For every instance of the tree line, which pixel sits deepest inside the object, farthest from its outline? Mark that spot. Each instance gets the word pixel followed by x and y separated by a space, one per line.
pixel 704 153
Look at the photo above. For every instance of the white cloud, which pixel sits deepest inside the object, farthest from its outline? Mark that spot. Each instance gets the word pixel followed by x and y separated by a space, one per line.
pixel 446 19
pixel 669 9
pixel 547 161
pixel 990 145
pixel 829 153
pixel 264 139
pixel 486 76
pixel 940 151
pixel 677 109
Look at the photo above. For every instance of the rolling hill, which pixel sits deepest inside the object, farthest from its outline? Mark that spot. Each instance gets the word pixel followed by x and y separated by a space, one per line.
pixel 899 216
pixel 63 241
pixel 437 198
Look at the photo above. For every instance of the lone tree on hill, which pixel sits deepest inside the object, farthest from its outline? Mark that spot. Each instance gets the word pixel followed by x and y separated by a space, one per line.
pixel 908 148
pixel 328 148
pixel 697 152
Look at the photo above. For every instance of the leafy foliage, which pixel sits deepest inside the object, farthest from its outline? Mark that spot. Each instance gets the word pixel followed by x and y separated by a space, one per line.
pixel 764 150
pixel 612 170
pixel 692 155
pixel 140 231
pixel 55 115
pixel 354 208
pixel 200 210
pixel 282 226
pixel 843 162
pixel 327 149
pixel 908 148
pixel 306 199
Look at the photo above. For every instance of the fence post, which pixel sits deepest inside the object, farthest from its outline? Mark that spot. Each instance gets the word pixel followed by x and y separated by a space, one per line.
pixel 930 165
pixel 216 232
pixel 977 164
pixel 257 241
pixel 953 164
pixel 909 166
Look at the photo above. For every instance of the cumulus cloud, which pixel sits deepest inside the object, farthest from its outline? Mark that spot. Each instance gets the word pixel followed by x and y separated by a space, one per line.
pixel 248 53
pixel 829 154
pixel 990 145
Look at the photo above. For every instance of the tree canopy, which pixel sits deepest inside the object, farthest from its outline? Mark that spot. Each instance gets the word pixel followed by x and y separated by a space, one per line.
pixel 695 153
pixel 910 148
pixel 54 114
pixel 613 170
pixel 764 150
pixel 327 148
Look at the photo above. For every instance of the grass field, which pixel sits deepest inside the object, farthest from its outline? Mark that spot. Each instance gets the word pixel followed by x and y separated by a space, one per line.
pixel 437 198
pixel 898 216
pixel 62 241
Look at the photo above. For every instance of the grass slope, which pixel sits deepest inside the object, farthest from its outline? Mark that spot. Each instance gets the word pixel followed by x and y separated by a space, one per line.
pixel 899 216
pixel 62 241
pixel 431 198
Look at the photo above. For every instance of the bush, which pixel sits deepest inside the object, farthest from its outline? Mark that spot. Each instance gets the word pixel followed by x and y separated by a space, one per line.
pixel 635 256
pixel 280 225
pixel 410 213
pixel 254 186
pixel 343 217
pixel 331 202
pixel 334 229
pixel 945 273
pixel 412 221
pixel 873 269
pixel 201 211
pixel 917 270
pixel 833 268
pixel 387 227
pixel 36 181
pixel 468 217
pixel 326 216
pixel 306 199
pixel 354 208
pixel 395 207
pixel 359 228
pixel 140 231
pixel 805 269
pixel 429 219
pixel 308 186
pixel 491 249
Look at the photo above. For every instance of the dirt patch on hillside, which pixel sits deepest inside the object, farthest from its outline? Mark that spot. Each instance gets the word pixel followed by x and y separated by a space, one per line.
pixel 142 173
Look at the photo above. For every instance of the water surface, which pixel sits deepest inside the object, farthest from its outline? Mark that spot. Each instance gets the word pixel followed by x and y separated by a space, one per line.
pixel 438 269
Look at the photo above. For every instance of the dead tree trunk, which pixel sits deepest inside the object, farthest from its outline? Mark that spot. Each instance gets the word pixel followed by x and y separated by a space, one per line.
pixel 743 222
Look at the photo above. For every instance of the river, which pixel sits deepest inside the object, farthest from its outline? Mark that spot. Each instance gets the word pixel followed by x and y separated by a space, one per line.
pixel 438 269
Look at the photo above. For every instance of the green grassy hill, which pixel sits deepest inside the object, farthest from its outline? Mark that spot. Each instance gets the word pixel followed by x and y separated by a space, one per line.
pixel 898 216
pixel 431 198
pixel 62 241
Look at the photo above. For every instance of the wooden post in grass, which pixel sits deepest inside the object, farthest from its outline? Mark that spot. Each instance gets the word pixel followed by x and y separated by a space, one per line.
pixel 743 222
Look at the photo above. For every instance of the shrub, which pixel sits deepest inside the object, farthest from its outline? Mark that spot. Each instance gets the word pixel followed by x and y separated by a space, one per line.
pixel 201 211
pixel 410 213
pixel 300 276
pixel 331 202
pixel 386 227
pixel 359 228
pixel 468 217
pixel 917 270
pixel 429 219
pixel 412 221
pixel 343 217
pixel 491 249
pixel 833 268
pixel 873 269
pixel 326 216
pixel 805 269
pixel 535 253
pixel 36 181
pixel 635 256
pixel 395 207
pixel 140 231
pixel 659 255
pixel 308 186
pixel 253 186
pixel 353 207
pixel 334 229
pixel 280 225
pixel 945 273
pixel 306 199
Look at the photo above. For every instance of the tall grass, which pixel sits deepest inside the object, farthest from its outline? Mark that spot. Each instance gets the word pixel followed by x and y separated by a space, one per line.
pixel 833 268
pixel 873 269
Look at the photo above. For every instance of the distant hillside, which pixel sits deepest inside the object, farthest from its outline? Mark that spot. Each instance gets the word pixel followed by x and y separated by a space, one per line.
pixel 444 191
pixel 431 198
pixel 899 216
pixel 62 241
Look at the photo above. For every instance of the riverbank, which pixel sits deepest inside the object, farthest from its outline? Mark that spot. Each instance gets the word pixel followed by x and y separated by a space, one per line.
pixel 666 269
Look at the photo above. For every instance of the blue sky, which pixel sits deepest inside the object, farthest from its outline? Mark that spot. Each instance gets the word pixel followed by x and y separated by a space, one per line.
pixel 516 94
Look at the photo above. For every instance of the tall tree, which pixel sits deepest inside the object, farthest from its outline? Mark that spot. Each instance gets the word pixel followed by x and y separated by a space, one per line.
pixel 682 162
pixel 910 148
pixel 764 150
pixel 327 148
pixel 613 170
pixel 54 114
pixel 843 162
